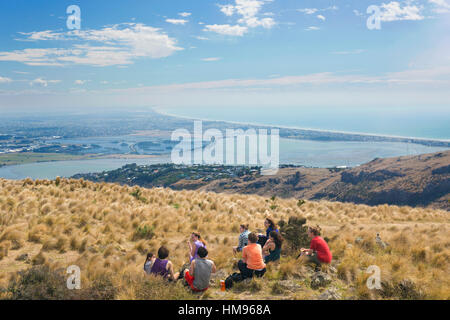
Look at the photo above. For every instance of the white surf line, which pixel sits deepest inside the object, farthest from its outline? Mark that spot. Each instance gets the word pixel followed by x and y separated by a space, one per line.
pixel 299 128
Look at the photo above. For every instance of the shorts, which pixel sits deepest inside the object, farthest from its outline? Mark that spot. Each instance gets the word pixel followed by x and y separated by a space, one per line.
pixel 190 280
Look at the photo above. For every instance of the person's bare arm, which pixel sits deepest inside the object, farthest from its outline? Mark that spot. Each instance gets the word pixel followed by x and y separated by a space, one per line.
pixel 192 268
pixel 213 267
pixel 169 268
pixel 268 246
pixel 192 251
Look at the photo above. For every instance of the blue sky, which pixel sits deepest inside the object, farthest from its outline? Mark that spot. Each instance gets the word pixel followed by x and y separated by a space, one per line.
pixel 225 52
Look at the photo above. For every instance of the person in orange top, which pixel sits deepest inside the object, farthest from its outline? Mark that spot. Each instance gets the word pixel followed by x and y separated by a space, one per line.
pixel 252 262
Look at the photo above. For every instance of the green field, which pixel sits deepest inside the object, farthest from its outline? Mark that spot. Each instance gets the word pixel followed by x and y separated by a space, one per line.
pixel 30 157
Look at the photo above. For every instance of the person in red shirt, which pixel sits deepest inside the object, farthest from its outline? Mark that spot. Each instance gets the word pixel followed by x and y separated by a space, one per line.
pixel 319 252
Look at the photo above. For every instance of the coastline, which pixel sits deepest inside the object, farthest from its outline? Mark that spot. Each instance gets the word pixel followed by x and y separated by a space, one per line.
pixel 154 109
pixel 83 158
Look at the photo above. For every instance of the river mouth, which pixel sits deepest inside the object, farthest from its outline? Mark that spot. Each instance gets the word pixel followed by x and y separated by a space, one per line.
pixel 298 152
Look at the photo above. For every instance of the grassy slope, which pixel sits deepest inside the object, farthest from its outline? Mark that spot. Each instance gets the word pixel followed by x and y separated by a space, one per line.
pixel 94 226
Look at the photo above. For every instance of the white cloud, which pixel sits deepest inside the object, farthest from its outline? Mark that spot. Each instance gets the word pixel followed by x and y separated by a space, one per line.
pixel 41 35
pixel 184 14
pixel 314 10
pixel 201 38
pixel 35 57
pixel 177 21
pixel 308 10
pixel 5 80
pixel 248 10
pixel 253 22
pixel 312 28
pixel 227 9
pixel 227 29
pixel 321 17
pixel 416 75
pixel 113 45
pixel 80 82
pixel 412 76
pixel 441 6
pixel 211 59
pixel 393 11
pixel 42 82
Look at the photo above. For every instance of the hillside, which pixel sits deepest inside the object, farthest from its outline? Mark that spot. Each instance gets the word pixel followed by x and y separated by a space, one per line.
pixel 422 180
pixel 106 229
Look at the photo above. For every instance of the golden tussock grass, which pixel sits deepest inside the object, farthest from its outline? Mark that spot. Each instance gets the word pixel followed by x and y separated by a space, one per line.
pixel 104 228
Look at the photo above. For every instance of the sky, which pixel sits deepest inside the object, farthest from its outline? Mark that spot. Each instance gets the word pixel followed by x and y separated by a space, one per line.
pixel 180 53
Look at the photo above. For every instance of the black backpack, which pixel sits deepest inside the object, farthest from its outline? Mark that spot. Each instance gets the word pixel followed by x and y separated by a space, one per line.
pixel 235 277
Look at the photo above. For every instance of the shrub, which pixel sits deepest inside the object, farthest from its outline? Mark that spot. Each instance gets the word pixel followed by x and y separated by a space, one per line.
pixel 101 288
pixel 43 283
pixel 277 288
pixel 253 285
pixel 157 288
pixel 404 289
pixel 40 258
pixel 39 283
pixel 4 248
pixel 137 194
pixel 295 232
pixel 144 232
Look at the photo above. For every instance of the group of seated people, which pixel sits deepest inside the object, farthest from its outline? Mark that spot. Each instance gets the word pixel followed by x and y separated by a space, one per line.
pixel 257 250
pixel 200 268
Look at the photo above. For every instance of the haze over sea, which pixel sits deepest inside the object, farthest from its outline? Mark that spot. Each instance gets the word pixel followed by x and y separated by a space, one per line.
pixel 418 122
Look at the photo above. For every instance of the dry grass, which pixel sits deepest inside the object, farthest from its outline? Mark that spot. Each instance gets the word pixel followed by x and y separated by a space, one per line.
pixel 106 228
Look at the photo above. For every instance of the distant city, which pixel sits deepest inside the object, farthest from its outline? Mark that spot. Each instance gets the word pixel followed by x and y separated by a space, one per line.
pixel 137 133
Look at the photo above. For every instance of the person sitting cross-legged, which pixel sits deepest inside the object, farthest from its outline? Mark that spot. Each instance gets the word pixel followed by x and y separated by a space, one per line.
pixel 252 262
pixel 319 252
pixel 199 273
pixel 163 266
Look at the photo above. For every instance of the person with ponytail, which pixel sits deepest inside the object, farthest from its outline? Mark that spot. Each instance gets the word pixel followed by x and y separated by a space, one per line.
pixel 194 243
pixel 243 238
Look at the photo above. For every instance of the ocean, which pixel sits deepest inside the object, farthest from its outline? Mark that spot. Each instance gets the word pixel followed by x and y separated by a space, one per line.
pixel 431 123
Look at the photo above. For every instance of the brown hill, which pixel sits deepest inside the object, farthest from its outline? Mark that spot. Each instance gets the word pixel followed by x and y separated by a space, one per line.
pixel 422 180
